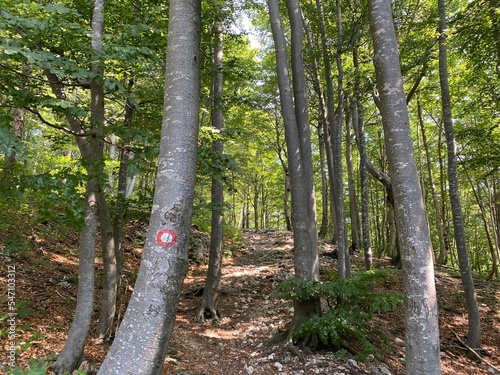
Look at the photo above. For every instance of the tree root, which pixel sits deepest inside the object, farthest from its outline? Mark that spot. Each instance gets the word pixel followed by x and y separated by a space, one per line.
pixel 207 313
pixel 284 341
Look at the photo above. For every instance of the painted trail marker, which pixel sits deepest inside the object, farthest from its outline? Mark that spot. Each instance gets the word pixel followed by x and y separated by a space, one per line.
pixel 166 237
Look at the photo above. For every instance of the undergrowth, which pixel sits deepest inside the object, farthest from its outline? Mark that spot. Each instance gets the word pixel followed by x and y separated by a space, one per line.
pixel 350 306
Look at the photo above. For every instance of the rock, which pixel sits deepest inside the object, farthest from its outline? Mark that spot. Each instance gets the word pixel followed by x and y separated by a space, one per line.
pixel 382 370
pixel 278 366
pixel 249 369
pixel 399 342
pixel 351 362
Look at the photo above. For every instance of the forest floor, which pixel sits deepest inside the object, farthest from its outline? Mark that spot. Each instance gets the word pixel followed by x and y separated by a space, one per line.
pixel 46 275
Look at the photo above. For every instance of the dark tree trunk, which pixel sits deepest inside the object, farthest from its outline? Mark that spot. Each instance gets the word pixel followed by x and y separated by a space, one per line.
pixel 209 298
pixel 324 186
pixel 474 332
pixel 353 200
pixel 121 196
pixel 442 257
pixel 359 130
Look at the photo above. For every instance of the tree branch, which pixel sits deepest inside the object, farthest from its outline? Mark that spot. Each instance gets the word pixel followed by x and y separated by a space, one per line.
pixel 59 127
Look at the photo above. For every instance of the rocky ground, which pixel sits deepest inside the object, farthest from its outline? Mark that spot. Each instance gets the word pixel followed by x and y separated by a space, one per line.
pixel 252 313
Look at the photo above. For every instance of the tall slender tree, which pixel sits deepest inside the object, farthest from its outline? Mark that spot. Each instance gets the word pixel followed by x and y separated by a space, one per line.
pixel 299 158
pixel 474 332
pixel 92 152
pixel 141 342
pixel 214 272
pixel 421 317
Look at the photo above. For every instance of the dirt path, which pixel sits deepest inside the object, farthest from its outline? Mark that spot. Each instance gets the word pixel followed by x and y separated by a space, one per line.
pixel 252 314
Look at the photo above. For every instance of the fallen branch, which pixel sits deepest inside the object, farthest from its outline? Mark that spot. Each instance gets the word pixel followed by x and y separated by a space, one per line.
pixel 475 353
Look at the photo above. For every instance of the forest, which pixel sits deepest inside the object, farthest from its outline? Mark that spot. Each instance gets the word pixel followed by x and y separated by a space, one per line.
pixel 250 187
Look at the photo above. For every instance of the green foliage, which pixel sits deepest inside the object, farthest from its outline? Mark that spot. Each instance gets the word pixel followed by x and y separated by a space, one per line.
pixel 22 309
pixel 9 143
pixel 351 306
pixel 62 189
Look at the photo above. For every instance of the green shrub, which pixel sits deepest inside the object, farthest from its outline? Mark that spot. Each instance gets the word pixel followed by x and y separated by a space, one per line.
pixel 351 305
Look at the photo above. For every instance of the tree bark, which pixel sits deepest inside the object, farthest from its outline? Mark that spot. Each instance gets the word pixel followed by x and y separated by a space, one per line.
pixel 121 196
pixel 72 351
pixel 325 145
pixel 214 273
pixel 141 342
pixel 91 149
pixel 324 185
pixel 328 130
pixel 299 158
pixel 474 332
pixel 353 200
pixel 359 130
pixel 301 107
pixel 338 180
pixel 443 256
pixel 421 318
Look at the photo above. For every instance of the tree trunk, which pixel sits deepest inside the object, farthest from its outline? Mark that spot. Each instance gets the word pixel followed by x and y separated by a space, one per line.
pixel 108 300
pixel 324 185
pixel 338 180
pixel 325 145
pixel 72 351
pixel 443 257
pixel 421 318
pixel 110 275
pixel 141 342
pixel 299 157
pixel 328 127
pixel 122 191
pixel 91 149
pixel 256 202
pixel 474 332
pixel 353 200
pixel 214 273
pixel 300 94
pixel 359 130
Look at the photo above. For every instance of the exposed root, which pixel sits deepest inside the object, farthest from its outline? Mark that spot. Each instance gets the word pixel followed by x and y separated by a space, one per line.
pixel 284 342
pixel 207 313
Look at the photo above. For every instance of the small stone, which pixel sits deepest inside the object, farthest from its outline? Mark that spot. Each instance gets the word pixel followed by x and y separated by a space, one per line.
pixel 399 342
pixel 249 369
pixel 215 363
pixel 351 362
pixel 278 365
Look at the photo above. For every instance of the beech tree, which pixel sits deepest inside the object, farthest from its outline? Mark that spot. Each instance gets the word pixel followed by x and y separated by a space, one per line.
pixel 474 332
pixel 214 272
pixel 141 342
pixel 92 151
pixel 421 316
pixel 294 112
